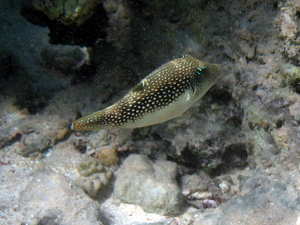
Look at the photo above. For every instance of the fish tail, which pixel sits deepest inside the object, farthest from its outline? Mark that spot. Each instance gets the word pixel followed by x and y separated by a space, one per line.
pixel 93 121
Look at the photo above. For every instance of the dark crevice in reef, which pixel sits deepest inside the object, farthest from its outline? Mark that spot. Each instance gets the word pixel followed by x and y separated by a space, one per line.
pixel 87 34
pixel 8 140
pixel 14 81
pixel 296 85
pixel 33 99
pixel 85 74
pixel 35 17
pixel 220 95
pixel 234 156
pixel 33 94
pixel 196 157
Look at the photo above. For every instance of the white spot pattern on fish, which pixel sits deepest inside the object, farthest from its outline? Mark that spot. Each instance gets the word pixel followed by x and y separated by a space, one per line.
pixel 163 95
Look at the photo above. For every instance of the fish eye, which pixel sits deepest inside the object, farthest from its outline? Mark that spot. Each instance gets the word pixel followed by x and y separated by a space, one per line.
pixel 200 71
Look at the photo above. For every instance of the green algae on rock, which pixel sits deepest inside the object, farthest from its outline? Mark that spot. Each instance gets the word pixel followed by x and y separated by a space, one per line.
pixel 67 11
pixel 164 94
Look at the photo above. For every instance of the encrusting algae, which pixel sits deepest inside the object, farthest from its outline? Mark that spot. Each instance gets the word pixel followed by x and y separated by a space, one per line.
pixel 164 94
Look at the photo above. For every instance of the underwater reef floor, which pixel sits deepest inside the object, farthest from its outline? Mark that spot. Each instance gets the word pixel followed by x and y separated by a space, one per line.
pixel 232 158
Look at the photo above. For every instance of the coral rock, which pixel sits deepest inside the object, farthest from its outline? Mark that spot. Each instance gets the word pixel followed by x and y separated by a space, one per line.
pixel 67 11
pixel 107 156
pixel 151 186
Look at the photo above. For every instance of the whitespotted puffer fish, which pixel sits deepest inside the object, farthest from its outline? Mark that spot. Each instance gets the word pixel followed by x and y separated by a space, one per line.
pixel 164 94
